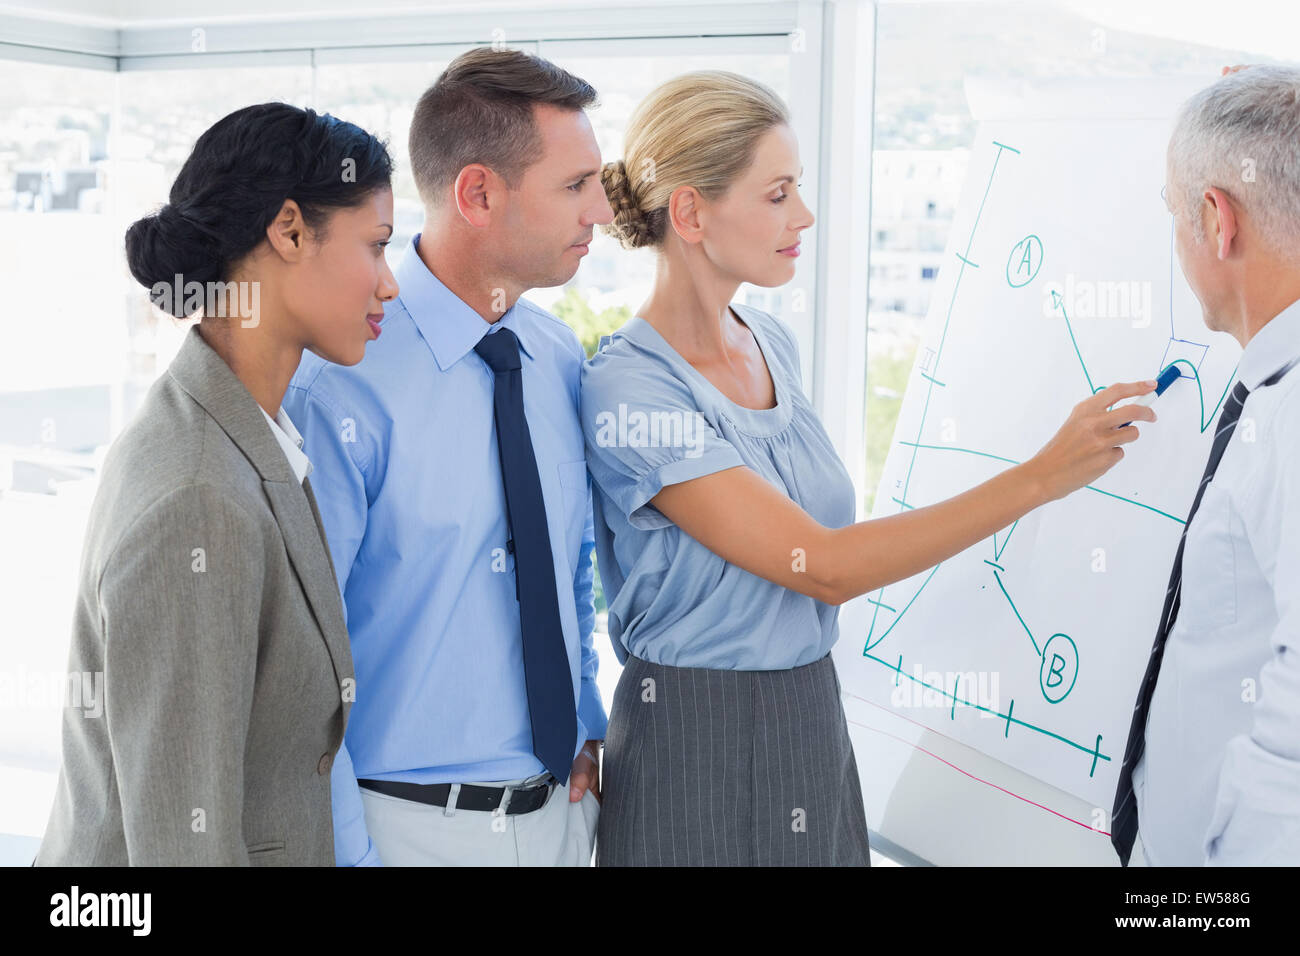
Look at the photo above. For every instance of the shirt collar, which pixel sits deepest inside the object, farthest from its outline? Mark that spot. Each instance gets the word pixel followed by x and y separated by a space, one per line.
pixel 1276 344
pixel 449 326
pixel 290 440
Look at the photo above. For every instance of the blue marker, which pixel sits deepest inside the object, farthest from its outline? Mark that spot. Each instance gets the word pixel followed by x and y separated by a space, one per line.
pixel 1167 378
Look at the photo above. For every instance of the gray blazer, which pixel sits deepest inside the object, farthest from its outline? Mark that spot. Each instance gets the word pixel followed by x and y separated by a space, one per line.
pixel 209 614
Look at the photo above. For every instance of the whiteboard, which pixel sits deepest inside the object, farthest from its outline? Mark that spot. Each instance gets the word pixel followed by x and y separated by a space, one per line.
pixel 989 697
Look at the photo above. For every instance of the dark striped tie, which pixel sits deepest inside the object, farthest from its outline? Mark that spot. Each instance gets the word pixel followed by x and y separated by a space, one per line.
pixel 1124 816
pixel 549 683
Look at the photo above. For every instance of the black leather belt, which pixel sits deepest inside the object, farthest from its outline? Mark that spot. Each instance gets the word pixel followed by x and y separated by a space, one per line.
pixel 471 797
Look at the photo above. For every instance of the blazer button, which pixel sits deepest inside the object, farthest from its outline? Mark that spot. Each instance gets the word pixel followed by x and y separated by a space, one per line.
pixel 323 766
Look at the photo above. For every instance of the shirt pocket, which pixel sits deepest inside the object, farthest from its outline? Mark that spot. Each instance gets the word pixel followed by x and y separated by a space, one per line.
pixel 573 484
pixel 1209 589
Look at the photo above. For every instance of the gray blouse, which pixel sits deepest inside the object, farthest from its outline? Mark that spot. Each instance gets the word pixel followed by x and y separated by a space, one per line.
pixel 650 420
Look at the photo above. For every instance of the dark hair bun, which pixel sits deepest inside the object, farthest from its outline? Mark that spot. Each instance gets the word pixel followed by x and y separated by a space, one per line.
pixel 164 245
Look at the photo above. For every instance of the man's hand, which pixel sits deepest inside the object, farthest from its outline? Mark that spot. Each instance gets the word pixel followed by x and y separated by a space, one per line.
pixel 1233 69
pixel 585 773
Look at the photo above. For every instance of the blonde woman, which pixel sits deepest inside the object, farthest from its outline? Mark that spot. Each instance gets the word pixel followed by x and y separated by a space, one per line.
pixel 727 743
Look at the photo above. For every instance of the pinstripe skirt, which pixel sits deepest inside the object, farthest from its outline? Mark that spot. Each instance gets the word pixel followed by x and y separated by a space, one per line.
pixel 710 767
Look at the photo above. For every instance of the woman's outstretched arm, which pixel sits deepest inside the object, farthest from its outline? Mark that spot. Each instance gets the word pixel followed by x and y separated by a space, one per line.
pixel 743 519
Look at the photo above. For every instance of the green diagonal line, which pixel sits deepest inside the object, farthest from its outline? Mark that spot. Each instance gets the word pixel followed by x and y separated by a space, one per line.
pixel 1017 613
pixel 1012 461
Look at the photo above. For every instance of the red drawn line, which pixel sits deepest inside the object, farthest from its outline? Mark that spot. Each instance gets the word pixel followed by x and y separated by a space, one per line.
pixel 971 775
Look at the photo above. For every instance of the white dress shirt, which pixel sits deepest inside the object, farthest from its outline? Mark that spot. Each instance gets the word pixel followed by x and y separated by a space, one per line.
pixel 1219 781
pixel 287 435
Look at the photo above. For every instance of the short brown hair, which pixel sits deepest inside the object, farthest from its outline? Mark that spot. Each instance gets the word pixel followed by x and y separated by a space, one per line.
pixel 480 110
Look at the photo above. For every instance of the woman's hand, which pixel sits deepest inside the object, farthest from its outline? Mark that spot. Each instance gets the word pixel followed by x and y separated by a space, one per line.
pixel 1087 445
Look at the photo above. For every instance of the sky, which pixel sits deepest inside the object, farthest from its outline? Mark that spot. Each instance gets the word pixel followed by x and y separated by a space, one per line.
pixel 1269 27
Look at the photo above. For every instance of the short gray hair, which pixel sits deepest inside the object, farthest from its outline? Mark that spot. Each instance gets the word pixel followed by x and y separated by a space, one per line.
pixel 1242 135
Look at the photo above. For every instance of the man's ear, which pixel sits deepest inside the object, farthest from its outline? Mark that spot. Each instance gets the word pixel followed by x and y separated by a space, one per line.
pixel 1224 220
pixel 473 193
pixel 287 233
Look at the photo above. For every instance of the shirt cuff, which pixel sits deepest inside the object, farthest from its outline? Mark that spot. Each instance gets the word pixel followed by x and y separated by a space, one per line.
pixel 643 515
pixel 371 856
pixel 591 712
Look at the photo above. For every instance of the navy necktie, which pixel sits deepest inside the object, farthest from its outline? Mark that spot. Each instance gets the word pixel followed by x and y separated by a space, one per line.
pixel 1124 816
pixel 546 662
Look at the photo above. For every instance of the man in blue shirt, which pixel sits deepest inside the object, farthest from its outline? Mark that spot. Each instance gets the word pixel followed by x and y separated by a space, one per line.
pixel 458 510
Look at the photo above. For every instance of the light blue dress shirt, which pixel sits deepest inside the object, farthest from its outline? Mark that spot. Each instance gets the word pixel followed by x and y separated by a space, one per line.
pixel 408 480
pixel 650 420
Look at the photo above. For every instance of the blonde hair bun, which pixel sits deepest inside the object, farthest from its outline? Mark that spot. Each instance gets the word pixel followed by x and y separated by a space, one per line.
pixel 632 226
pixel 699 129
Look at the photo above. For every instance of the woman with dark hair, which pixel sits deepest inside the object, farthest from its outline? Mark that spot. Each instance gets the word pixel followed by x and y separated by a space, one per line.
pixel 207 609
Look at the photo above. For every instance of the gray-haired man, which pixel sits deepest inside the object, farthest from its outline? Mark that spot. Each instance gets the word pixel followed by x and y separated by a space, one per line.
pixel 1212 767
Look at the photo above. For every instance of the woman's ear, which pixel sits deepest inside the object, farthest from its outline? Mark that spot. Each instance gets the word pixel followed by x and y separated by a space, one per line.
pixel 287 232
pixel 684 208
